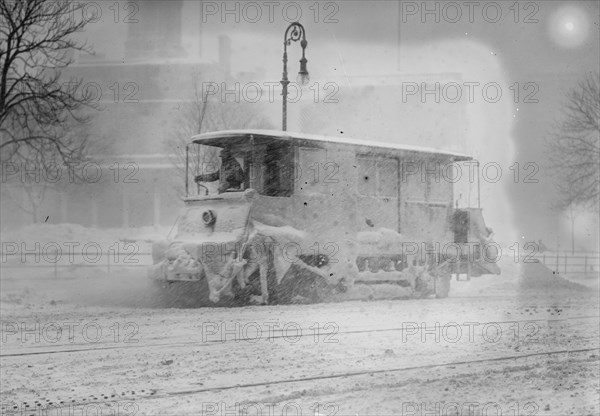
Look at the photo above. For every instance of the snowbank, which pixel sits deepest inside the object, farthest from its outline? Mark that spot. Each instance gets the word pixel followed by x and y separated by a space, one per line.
pixel 539 277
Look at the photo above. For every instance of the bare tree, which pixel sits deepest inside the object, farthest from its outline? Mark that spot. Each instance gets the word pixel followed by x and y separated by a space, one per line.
pixel 36 104
pixel 203 115
pixel 570 212
pixel 574 146
pixel 30 193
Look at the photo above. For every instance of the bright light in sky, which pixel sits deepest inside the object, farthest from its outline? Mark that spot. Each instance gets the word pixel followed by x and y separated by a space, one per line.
pixel 569 26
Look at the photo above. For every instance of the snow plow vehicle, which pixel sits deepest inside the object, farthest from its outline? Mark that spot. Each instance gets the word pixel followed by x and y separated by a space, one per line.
pixel 292 217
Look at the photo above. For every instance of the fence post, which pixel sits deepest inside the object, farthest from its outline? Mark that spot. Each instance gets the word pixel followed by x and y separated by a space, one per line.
pixel 108 263
pixel 585 265
pixel 557 262
pixel 565 263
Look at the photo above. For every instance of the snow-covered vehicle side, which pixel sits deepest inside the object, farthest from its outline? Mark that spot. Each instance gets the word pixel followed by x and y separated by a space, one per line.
pixel 316 215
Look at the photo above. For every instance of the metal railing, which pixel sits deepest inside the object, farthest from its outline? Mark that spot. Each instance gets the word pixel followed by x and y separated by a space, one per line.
pixel 577 263
pixel 72 260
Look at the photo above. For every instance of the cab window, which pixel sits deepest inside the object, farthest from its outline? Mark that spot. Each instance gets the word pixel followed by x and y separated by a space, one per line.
pixel 279 171
pixel 272 169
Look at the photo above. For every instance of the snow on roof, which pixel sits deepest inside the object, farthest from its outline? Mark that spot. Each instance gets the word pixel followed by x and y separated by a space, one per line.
pixel 288 135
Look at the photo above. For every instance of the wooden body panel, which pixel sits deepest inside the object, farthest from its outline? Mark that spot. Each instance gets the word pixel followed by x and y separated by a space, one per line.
pixel 337 189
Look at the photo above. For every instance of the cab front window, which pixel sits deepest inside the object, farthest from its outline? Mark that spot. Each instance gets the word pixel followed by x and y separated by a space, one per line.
pixel 265 166
pixel 226 171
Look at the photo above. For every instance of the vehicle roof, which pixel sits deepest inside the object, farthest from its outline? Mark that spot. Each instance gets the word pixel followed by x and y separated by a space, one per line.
pixel 218 138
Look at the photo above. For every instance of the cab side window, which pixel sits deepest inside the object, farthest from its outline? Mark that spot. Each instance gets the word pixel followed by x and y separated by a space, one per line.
pixel 278 170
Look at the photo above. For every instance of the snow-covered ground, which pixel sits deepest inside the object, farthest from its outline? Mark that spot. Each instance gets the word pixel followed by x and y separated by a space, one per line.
pixel 93 343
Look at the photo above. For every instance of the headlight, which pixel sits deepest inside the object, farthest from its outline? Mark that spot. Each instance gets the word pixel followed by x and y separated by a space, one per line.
pixel 209 217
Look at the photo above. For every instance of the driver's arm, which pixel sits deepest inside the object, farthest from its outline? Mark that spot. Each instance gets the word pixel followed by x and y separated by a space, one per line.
pixel 207 177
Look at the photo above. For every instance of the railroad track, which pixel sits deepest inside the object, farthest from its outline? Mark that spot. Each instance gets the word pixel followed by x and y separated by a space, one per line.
pixel 277 334
pixel 153 394
pixel 377 371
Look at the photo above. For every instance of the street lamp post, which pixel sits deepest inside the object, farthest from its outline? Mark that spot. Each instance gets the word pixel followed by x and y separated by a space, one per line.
pixel 294 32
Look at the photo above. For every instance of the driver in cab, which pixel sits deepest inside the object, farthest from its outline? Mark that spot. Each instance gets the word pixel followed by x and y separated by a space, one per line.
pixel 231 174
